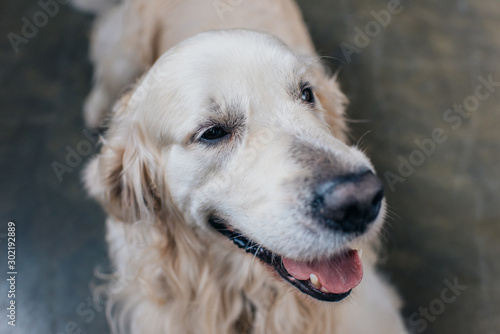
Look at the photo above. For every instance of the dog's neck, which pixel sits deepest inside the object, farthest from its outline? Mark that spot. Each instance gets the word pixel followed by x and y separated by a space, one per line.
pixel 198 286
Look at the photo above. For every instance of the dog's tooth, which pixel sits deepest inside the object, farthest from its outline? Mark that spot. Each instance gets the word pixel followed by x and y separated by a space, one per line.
pixel 324 290
pixel 360 252
pixel 315 281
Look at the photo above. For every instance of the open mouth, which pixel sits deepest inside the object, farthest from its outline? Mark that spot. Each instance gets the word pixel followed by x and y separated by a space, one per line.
pixel 330 279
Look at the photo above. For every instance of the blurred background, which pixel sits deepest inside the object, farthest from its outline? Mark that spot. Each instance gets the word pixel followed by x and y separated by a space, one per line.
pixel 423 79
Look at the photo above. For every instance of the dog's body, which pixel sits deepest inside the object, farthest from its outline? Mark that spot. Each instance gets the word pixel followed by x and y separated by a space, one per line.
pixel 231 134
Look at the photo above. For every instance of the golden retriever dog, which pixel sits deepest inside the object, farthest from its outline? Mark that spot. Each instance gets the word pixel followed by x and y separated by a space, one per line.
pixel 235 204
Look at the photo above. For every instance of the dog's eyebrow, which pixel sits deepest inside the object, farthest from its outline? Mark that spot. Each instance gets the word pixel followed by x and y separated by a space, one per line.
pixel 216 108
pixel 232 114
pixel 230 118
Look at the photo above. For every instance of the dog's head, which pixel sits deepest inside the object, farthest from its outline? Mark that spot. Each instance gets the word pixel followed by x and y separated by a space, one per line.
pixel 245 138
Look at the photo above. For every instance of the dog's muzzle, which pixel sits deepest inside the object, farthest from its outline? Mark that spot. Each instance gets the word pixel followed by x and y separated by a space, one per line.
pixel 347 204
pixel 339 273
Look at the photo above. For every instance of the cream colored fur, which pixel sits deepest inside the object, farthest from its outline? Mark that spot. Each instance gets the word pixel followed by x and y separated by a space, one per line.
pixel 158 183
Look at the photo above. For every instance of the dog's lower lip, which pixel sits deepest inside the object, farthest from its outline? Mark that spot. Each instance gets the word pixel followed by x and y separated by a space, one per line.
pixel 273 261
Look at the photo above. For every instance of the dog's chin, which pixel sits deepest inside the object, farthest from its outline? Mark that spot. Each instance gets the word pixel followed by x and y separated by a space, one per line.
pixel 332 279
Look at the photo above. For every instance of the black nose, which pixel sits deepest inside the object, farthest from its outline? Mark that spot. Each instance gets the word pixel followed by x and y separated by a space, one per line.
pixel 349 203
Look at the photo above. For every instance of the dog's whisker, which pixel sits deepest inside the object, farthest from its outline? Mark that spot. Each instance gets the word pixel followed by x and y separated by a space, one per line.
pixel 360 140
pixel 253 261
pixel 333 58
pixel 392 214
pixel 357 121
pixel 256 252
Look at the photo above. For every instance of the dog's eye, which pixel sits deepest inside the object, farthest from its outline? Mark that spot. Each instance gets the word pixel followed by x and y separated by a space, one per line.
pixel 214 134
pixel 307 95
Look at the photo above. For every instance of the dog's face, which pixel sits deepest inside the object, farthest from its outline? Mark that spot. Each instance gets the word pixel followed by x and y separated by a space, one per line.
pixel 247 139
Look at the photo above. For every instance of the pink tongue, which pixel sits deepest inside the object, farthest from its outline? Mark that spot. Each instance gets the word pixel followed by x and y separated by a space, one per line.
pixel 338 274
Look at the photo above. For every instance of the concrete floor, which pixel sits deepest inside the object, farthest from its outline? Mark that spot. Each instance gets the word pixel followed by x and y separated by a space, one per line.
pixel 444 223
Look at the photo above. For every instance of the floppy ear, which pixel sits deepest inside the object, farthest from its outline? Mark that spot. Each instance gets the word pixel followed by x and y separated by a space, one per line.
pixel 333 102
pixel 124 175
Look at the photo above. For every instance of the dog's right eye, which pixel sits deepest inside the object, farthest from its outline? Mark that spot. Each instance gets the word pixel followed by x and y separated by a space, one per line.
pixel 214 134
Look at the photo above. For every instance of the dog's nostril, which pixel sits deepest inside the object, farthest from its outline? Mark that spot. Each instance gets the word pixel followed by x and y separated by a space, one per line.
pixel 318 200
pixel 378 197
pixel 349 203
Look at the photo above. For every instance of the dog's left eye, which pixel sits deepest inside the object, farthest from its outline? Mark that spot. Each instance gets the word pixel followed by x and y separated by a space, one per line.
pixel 307 95
pixel 214 134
